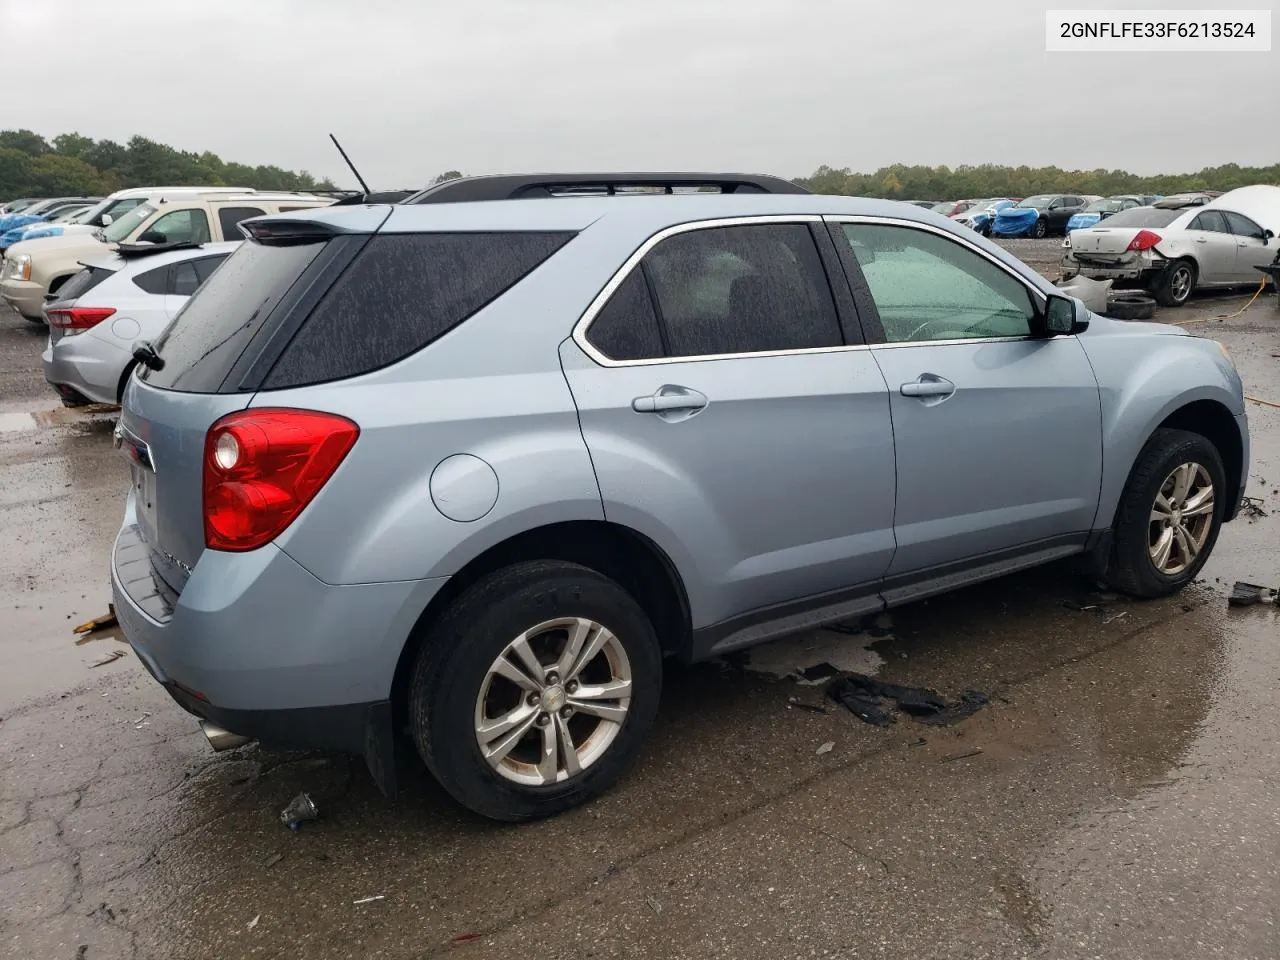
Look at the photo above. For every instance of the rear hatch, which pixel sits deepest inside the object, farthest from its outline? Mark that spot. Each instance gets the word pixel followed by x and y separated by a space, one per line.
pixel 170 405
pixel 69 293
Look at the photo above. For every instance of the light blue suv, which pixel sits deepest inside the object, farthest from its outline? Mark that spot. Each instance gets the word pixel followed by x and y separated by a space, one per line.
pixel 469 466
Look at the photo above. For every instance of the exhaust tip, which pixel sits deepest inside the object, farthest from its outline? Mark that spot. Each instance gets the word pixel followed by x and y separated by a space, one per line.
pixel 221 739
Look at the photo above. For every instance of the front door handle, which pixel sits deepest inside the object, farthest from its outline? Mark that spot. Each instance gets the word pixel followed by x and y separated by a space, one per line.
pixel 928 385
pixel 670 398
pixel 1202 239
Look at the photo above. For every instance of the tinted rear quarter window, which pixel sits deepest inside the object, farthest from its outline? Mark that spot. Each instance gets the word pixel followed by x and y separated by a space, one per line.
pixel 153 281
pixel 626 328
pixel 208 335
pixel 402 292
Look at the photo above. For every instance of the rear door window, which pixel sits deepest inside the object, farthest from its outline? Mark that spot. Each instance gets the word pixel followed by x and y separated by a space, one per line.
pixel 742 289
pixel 402 292
pixel 183 279
pixel 206 265
pixel 211 331
pixel 229 219
pixel 1210 220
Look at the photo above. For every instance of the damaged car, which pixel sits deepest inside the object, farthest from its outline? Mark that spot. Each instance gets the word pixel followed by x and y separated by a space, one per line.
pixel 469 466
pixel 1172 252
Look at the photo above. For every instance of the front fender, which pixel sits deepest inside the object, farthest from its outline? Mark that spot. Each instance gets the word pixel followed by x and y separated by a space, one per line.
pixel 1146 374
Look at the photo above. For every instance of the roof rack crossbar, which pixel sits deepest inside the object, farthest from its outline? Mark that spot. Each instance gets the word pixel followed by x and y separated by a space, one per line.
pixel 529 186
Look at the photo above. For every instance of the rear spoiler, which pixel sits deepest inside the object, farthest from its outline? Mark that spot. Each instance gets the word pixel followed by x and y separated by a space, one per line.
pixel 132 250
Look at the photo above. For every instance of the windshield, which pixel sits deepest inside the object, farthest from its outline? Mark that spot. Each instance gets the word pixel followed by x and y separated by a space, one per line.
pixel 84 216
pixel 1142 217
pixel 1037 203
pixel 1104 206
pixel 119 229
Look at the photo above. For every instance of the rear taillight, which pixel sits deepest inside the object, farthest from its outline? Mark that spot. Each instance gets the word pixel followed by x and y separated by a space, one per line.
pixel 262 467
pixel 78 318
pixel 1145 240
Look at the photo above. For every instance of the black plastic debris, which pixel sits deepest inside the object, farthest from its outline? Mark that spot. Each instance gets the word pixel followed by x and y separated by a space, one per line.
pixel 1251 507
pixel 1248 594
pixel 818 672
pixel 868 698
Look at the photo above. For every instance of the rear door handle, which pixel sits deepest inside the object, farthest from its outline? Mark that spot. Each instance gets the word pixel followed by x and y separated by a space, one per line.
pixel 1202 239
pixel 928 385
pixel 670 398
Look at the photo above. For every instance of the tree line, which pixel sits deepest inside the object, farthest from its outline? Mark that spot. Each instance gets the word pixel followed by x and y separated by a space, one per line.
pixel 75 165
pixel 901 182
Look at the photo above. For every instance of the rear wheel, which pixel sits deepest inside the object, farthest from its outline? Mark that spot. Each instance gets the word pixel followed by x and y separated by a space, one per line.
pixel 1170 514
pixel 1040 229
pixel 1175 286
pixel 534 690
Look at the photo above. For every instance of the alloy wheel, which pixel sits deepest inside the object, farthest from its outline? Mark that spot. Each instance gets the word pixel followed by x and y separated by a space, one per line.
pixel 1180 283
pixel 1181 518
pixel 553 701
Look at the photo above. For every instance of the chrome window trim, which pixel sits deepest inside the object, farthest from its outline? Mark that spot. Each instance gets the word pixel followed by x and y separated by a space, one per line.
pixel 579 334
pixel 580 329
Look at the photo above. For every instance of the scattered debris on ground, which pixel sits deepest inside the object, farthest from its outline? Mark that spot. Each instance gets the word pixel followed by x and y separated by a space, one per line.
pixel 111 657
pixel 1251 507
pixel 85 631
pixel 254 922
pixel 1249 594
pixel 368 899
pixel 464 938
pixel 826 747
pixel 300 810
pixel 654 905
pixel 805 705
pixel 965 755
pixel 272 860
pixel 870 699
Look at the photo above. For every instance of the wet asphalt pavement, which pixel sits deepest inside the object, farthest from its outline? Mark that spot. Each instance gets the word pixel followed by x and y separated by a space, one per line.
pixel 1118 799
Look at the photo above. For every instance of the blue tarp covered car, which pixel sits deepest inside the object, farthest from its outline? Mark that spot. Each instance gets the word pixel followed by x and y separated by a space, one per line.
pixel 1015 221
pixel 1099 210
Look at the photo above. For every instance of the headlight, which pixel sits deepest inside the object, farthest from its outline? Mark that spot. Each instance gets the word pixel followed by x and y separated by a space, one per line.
pixel 1066 241
pixel 17 268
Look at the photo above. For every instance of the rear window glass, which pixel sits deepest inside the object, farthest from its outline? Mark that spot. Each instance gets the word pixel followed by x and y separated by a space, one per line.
pixel 82 283
pixel 1143 217
pixel 400 294
pixel 212 329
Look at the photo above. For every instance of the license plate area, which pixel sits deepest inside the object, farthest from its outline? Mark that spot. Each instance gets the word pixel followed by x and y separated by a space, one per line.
pixel 144 493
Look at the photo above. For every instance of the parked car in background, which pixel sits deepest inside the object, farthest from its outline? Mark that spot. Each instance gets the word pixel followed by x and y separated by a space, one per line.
pixel 950 208
pixel 927 204
pixel 34 269
pixel 41 211
pixel 1175 251
pixel 981 215
pixel 1099 210
pixel 117 300
pixel 18 205
pixel 343 521
pixel 1039 216
pixel 66 215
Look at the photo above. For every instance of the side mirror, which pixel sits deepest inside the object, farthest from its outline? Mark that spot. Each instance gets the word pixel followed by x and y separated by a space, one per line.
pixel 1064 316
pixel 107 219
pixel 1268 235
pixel 152 236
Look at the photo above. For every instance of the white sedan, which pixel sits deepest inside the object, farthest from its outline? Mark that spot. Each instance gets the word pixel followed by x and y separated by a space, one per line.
pixel 1174 251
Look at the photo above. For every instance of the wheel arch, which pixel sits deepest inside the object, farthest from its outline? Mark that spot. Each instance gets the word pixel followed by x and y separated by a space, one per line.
pixel 1213 421
pixel 633 560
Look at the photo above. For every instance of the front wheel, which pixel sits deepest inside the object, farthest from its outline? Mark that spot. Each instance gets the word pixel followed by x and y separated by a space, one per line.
pixel 1169 516
pixel 535 689
pixel 1040 229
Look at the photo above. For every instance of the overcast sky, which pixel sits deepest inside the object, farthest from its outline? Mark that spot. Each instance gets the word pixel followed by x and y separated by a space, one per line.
pixel 412 89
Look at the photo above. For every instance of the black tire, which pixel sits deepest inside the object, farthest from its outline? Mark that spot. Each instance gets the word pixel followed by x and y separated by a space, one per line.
pixel 1131 568
pixel 1040 230
pixel 1175 286
pixel 467 639
pixel 1130 306
pixel 124 380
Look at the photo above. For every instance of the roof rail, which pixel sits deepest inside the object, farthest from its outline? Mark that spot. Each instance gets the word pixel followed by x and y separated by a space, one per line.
pixel 541 185
pixel 379 196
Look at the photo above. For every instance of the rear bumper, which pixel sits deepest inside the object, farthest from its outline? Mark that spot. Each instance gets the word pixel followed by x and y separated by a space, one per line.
pixel 87 365
pixel 25 296
pixel 1128 267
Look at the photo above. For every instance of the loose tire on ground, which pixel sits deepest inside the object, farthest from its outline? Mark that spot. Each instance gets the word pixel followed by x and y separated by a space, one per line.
pixel 464 671
pixel 1140 519
pixel 1130 306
